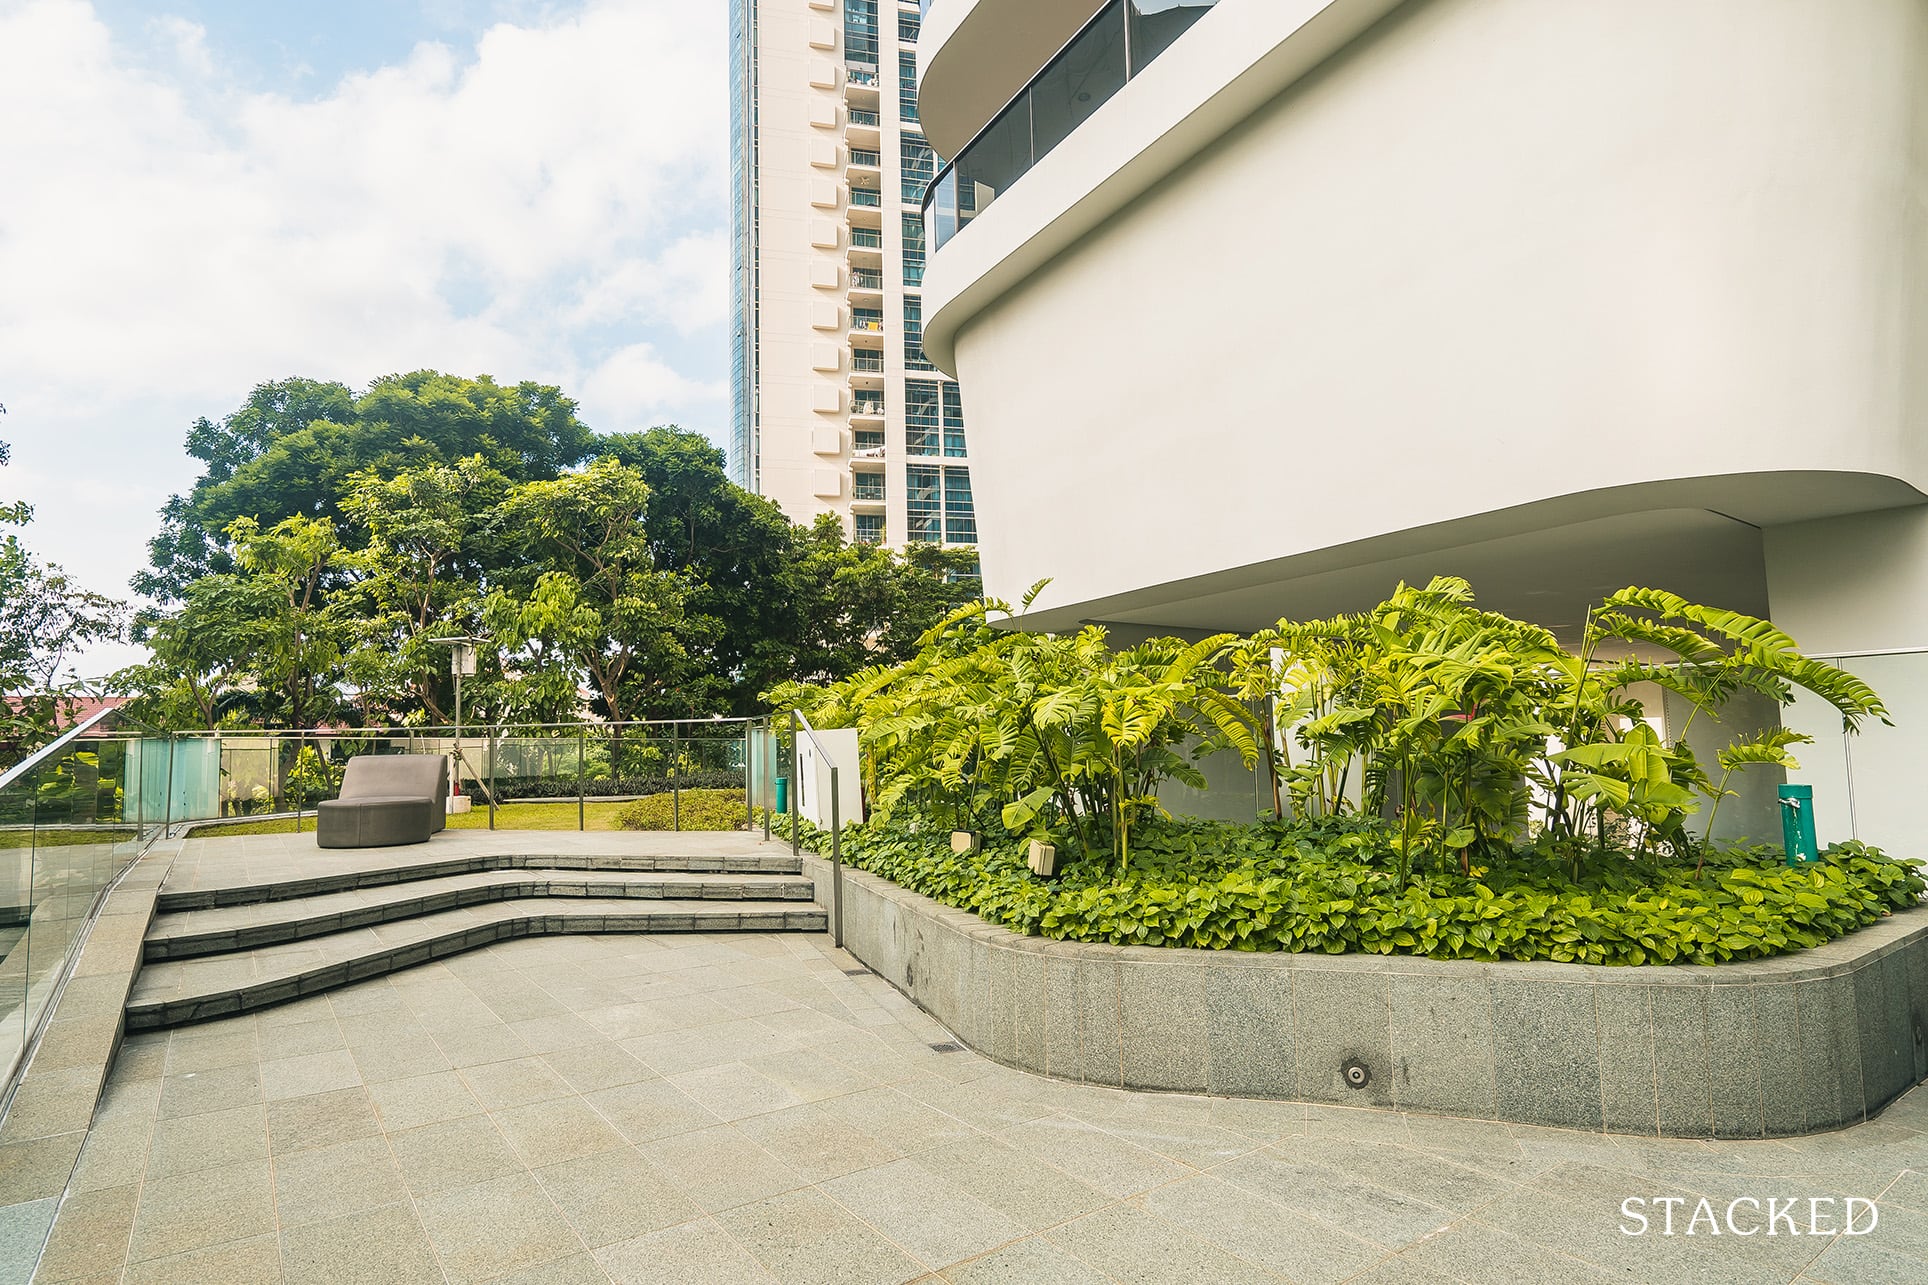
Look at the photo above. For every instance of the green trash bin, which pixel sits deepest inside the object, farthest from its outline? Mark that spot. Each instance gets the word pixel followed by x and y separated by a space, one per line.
pixel 783 795
pixel 1797 823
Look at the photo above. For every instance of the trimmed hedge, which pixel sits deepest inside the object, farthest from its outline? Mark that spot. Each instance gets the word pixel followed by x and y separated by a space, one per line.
pixel 554 787
pixel 1283 887
pixel 701 810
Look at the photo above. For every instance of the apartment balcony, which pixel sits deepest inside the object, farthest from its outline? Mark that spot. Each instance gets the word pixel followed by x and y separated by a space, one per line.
pixel 863 87
pixel 866 361
pixel 867 491
pixel 866 409
pixel 866 207
pixel 864 128
pixel 869 450
pixel 867 321
pixel 866 287
pixel 865 160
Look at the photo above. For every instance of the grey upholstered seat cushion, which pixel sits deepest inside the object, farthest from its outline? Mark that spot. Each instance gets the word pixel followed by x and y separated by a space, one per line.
pixel 373 823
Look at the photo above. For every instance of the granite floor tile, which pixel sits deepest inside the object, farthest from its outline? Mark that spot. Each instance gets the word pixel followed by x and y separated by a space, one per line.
pixel 1023 1263
pixel 693 1251
pixel 422 1099
pixel 454 1153
pixel 90 1237
pixel 1131 1245
pixel 805 1238
pixel 491 1228
pixel 201 1209
pixel 330 1182
pixel 385 1246
pixel 719 1168
pixel 1256 1230
pixel 254 1260
pixel 208 1140
pixel 546 1133
pixel 922 1212
pixel 615 1196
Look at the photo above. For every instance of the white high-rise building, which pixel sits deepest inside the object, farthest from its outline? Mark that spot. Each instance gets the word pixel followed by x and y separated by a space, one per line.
pixel 837 410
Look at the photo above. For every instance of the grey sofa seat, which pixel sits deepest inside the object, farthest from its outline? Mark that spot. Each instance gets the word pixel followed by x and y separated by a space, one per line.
pixel 386 799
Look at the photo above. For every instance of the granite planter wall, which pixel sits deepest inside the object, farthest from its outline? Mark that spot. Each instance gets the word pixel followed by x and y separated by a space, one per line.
pixel 1800 1044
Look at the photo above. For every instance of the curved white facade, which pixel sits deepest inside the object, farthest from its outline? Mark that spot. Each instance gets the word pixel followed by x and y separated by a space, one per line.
pixel 1556 296
pixel 1324 291
pixel 974 55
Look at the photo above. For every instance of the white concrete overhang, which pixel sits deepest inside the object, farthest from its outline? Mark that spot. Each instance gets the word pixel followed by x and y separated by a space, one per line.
pixel 1547 561
pixel 973 56
pixel 1234 60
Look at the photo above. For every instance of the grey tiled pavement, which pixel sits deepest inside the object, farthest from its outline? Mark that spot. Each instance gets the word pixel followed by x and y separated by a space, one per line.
pixel 694 1109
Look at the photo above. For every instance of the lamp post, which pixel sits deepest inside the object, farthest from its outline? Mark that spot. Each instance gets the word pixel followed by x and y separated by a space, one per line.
pixel 461 663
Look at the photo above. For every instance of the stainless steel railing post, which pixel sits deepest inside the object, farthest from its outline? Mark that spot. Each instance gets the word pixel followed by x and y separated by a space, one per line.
pixel 796 757
pixel 836 862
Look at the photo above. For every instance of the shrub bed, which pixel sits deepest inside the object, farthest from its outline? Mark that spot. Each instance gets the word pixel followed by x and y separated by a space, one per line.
pixel 700 810
pixel 1333 888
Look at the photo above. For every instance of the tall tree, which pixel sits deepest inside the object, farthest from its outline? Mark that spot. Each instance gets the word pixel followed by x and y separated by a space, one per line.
pixel 294 447
pixel 734 550
pixel 598 601
pixel 45 617
pixel 429 544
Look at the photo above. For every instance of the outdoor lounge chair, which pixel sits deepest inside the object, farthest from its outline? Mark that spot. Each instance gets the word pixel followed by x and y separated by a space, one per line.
pixel 386 799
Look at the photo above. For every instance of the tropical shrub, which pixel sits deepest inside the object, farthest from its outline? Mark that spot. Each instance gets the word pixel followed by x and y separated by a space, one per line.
pixel 699 810
pixel 1045 733
pixel 1305 886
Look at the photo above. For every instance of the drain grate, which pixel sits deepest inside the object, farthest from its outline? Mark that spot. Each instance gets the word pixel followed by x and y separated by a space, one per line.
pixel 856 972
pixel 947 1048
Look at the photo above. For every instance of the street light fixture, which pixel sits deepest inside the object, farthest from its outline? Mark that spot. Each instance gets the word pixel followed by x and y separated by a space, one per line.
pixel 461 663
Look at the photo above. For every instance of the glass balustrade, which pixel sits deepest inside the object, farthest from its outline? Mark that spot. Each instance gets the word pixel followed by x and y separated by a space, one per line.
pixel 1119 42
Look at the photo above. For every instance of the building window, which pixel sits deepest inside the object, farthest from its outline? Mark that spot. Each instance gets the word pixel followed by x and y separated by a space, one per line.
pixel 920 166
pixel 960 518
pixel 867 486
pixel 954 422
pixel 906 85
pixel 868 439
pixel 924 503
pixel 860 31
pixel 872 319
pixel 913 250
pixel 922 415
pixel 914 358
pixel 870 528
pixel 908 27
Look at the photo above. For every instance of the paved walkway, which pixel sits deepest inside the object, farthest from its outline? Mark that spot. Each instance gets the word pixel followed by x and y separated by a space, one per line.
pixel 753 1108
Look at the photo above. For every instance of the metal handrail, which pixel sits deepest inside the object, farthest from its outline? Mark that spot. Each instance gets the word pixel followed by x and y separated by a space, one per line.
pixel 800 725
pixel 55 746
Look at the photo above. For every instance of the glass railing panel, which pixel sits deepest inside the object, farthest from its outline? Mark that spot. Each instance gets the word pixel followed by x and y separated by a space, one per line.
pixel 66 832
pixel 994 160
pixel 1119 42
pixel 1155 24
pixel 1081 79
pixel 866 196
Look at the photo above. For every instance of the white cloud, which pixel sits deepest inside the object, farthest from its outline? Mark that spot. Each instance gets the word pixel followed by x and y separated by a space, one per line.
pixel 548 204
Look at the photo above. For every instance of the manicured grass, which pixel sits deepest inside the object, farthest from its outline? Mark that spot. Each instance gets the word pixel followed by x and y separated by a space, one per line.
pixel 557 815
pixel 52 838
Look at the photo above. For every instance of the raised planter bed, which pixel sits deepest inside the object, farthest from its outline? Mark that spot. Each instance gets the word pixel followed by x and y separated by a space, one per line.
pixel 1768 1048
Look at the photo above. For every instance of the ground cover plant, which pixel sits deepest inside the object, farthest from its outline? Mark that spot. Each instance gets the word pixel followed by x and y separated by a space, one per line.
pixel 1449 781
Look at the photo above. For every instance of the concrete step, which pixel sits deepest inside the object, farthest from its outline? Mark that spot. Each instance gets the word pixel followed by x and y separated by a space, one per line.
pixel 218 930
pixel 174 992
pixel 345 872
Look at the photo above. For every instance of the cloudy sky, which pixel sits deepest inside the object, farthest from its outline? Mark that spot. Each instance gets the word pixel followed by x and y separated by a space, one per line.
pixel 201 195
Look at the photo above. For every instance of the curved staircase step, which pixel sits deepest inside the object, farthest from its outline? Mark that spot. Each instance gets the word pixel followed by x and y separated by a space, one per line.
pixel 175 992
pixel 380 868
pixel 186 934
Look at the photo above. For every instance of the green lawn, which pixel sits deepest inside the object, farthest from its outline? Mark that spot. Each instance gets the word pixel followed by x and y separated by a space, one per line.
pixel 56 838
pixel 545 815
